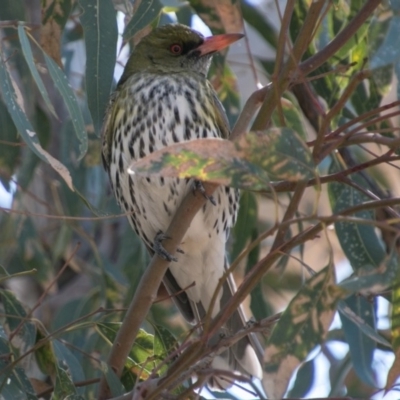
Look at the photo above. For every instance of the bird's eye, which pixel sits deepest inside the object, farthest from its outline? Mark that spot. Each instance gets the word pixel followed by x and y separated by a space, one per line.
pixel 176 49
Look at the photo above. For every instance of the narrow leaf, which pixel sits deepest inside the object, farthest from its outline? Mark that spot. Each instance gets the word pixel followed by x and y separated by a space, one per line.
pixel 63 86
pixel 360 243
pixel 361 346
pixel 361 324
pixel 24 126
pixel 100 31
pixel 26 49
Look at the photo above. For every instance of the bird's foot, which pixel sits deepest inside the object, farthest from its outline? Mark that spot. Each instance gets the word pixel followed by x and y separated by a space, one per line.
pixel 159 248
pixel 198 185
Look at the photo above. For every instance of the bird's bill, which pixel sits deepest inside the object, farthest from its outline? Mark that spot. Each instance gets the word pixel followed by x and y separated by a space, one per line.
pixel 218 42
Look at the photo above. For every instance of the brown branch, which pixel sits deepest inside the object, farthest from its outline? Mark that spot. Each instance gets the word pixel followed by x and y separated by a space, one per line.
pixel 146 293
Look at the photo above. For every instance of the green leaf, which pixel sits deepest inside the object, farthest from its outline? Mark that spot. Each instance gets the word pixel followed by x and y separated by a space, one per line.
pixel 362 325
pixel 303 326
pixel 64 388
pixel 374 280
pixel 14 384
pixel 361 346
pixel 360 243
pixel 249 163
pixel 143 346
pixel 24 126
pixel 10 147
pixel 27 51
pixel 44 355
pixel 113 381
pixel 246 223
pixel 68 361
pixel 15 313
pixel 164 344
pixel 68 95
pixel 100 31
pixel 293 118
pixel 147 12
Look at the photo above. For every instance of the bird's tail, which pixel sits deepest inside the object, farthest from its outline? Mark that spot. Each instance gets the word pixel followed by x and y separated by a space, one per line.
pixel 240 357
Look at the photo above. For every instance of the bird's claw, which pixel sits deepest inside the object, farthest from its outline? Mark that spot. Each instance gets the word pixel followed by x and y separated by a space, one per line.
pixel 198 185
pixel 159 248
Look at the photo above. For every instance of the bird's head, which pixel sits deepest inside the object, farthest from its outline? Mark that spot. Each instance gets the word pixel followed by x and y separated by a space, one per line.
pixel 176 48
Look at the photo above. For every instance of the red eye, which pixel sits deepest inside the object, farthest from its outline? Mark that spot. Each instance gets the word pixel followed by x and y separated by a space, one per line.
pixel 176 49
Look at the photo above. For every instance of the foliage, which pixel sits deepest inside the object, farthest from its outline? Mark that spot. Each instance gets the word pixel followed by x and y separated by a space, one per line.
pixel 322 152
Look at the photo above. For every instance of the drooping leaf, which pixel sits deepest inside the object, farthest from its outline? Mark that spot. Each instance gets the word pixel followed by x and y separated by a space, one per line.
pixel 302 326
pixel 100 31
pixel 26 49
pixel 361 346
pixel 360 243
pixel 249 163
pixel 246 223
pixel 68 95
pixel 363 326
pixel 24 126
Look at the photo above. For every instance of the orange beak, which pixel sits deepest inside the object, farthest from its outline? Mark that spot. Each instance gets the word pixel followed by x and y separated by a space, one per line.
pixel 216 43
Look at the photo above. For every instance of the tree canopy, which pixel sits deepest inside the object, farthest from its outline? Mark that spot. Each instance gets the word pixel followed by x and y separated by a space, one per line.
pixel 314 149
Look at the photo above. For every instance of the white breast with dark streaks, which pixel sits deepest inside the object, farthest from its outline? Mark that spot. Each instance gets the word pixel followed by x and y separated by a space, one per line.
pixel 173 111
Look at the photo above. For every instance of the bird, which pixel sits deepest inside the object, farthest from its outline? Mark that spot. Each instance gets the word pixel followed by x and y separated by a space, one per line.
pixel 164 97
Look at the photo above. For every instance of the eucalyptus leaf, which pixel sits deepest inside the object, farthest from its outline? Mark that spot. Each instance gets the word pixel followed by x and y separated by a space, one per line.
pixel 26 49
pixel 101 34
pixel 23 124
pixel 75 113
